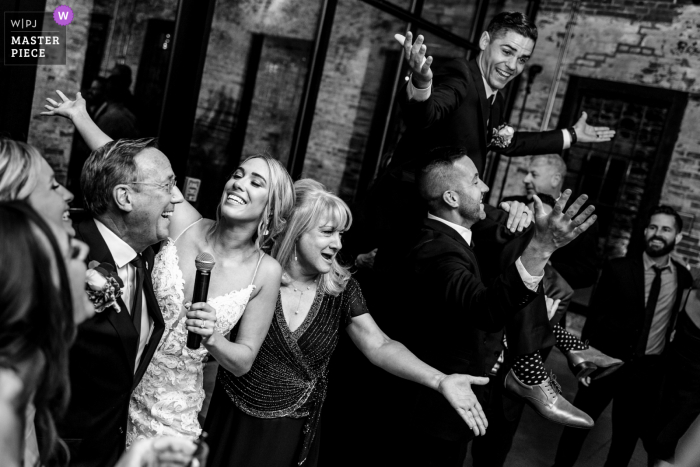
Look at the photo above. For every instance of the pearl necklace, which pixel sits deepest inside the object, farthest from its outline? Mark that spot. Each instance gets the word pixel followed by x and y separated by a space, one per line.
pixel 308 287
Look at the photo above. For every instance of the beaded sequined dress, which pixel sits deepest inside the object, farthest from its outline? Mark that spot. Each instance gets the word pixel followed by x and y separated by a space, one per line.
pixel 170 395
pixel 287 381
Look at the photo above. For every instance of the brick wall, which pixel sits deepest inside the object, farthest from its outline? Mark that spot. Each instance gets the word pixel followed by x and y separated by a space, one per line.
pixel 682 186
pixel 53 136
pixel 657 11
pixel 648 43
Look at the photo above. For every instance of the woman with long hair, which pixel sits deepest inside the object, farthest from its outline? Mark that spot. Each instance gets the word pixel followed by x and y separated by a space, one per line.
pixel 244 284
pixel 25 175
pixel 270 415
pixel 37 324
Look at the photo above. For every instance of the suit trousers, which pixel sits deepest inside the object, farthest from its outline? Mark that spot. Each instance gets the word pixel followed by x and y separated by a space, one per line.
pixel 503 412
pixel 635 391
pixel 680 403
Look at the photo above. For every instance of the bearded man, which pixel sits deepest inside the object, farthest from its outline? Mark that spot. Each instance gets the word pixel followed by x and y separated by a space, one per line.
pixel 632 316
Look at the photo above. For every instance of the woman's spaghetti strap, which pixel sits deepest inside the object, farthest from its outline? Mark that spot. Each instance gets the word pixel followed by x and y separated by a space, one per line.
pixel 187 228
pixel 257 266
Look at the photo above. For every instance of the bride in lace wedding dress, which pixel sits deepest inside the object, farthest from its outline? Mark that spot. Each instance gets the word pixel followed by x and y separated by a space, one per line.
pixel 244 285
pixel 256 201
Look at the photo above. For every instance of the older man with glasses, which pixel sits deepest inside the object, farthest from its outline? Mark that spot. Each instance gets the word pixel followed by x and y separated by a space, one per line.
pixel 130 192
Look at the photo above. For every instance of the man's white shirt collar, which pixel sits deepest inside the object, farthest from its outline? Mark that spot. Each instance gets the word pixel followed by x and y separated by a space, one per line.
pixel 120 250
pixel 649 263
pixel 489 91
pixel 464 232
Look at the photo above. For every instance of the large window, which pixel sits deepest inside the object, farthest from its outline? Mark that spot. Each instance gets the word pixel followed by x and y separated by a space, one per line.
pixel 624 176
pixel 313 82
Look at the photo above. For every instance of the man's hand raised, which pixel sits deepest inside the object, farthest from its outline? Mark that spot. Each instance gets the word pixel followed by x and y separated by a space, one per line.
pixel 554 230
pixel 586 133
pixel 559 228
pixel 414 53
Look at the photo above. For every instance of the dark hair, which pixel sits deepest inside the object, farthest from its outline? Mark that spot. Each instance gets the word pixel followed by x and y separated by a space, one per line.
pixel 440 157
pixel 434 172
pixel 669 211
pixel 122 73
pixel 107 167
pixel 115 90
pixel 512 21
pixel 35 315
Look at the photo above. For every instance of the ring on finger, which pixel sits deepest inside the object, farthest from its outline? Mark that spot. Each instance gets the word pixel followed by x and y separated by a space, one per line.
pixel 201 323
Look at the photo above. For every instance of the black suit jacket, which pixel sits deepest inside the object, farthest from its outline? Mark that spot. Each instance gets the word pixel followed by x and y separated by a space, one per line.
pixel 102 374
pixel 497 249
pixel 443 308
pixel 617 309
pixel 456 114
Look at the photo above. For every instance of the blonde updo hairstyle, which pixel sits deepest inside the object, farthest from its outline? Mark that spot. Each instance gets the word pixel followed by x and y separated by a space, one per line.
pixel 313 203
pixel 280 202
pixel 19 169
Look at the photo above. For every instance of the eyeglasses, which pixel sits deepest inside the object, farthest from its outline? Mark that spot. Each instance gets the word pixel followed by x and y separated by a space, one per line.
pixel 167 186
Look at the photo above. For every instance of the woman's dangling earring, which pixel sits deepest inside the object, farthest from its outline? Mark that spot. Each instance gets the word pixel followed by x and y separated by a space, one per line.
pixel 295 252
pixel 267 224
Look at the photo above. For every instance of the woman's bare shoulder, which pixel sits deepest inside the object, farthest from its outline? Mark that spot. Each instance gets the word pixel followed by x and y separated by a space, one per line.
pixel 194 235
pixel 269 269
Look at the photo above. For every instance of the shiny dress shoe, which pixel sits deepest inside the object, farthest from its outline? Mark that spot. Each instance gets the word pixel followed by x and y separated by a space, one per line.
pixel 547 401
pixel 591 362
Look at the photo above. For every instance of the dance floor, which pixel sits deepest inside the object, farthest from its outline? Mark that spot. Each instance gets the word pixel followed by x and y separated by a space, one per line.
pixel 537 445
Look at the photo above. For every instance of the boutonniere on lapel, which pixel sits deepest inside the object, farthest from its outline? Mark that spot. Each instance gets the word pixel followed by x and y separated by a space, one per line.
pixel 103 286
pixel 502 136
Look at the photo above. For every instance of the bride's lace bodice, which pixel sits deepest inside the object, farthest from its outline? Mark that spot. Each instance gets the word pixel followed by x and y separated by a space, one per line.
pixel 170 395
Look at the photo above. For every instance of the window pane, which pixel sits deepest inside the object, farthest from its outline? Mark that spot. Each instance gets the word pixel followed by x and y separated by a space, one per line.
pixel 616 174
pixel 278 83
pixel 253 78
pixel 405 4
pixel 456 17
pixel 357 82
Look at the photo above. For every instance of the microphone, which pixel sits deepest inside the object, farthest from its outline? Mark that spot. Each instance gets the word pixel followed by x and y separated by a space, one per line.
pixel 204 262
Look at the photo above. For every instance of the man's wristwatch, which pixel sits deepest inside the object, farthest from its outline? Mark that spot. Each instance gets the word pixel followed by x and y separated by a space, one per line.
pixel 572 132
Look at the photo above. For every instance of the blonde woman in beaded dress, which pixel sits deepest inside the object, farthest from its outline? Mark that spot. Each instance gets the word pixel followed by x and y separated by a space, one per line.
pixel 244 286
pixel 269 417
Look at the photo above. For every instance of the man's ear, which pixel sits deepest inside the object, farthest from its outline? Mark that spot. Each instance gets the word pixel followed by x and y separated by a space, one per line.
pixel 679 237
pixel 123 198
pixel 451 198
pixel 556 180
pixel 484 40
